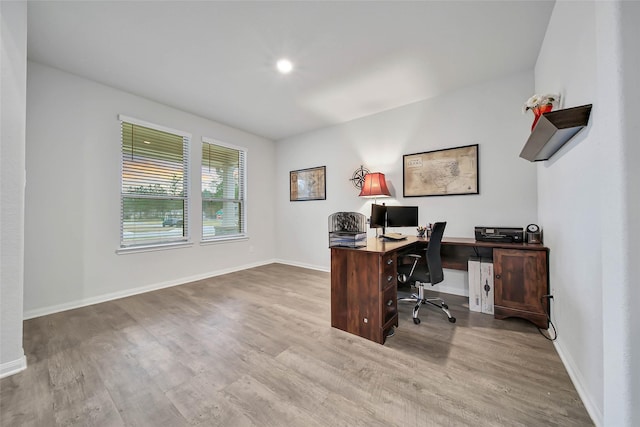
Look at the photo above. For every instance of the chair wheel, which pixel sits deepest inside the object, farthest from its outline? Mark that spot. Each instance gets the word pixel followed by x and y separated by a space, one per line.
pixel 416 320
pixel 445 306
pixel 452 319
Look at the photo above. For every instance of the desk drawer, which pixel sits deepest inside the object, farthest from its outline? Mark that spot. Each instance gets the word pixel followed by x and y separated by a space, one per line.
pixel 389 303
pixel 389 273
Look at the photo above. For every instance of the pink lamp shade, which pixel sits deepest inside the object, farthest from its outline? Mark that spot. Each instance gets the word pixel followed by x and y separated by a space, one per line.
pixel 374 185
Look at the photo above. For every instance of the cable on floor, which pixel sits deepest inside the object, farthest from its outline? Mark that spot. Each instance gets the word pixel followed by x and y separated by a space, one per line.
pixel 555 332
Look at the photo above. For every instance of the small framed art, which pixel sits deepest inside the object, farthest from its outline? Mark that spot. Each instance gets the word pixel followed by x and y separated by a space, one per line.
pixel 308 184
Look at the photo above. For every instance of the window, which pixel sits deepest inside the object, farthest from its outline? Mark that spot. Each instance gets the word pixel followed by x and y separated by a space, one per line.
pixel 154 192
pixel 223 190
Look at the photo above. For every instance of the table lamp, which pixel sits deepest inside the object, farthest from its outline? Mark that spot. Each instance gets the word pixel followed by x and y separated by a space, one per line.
pixel 375 186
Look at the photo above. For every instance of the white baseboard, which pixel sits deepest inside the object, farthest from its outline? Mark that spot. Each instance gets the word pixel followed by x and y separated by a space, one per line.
pixel 43 311
pixel 447 290
pixel 30 314
pixel 13 367
pixel 303 265
pixel 578 381
pixel 454 290
pixel 455 283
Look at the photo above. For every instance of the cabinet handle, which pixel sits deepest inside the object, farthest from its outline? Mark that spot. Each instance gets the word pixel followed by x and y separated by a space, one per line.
pixel 389 261
pixel 498 276
pixel 389 278
pixel 389 303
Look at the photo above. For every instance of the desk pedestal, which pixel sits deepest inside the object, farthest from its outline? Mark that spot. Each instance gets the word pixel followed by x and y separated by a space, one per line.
pixel 364 293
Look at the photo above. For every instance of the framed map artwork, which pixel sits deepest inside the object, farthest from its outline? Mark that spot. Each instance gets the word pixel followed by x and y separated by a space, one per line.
pixel 441 172
pixel 308 184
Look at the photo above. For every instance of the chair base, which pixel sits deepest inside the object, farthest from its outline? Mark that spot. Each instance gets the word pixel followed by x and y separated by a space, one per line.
pixel 420 299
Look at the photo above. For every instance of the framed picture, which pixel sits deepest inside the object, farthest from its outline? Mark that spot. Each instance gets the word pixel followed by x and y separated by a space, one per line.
pixel 308 184
pixel 441 172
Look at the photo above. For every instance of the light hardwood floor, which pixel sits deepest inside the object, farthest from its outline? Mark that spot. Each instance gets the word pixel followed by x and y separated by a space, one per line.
pixel 255 348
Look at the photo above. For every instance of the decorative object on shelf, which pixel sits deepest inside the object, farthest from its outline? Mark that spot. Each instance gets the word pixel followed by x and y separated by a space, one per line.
pixel 540 104
pixel 441 172
pixel 553 131
pixel 358 177
pixel 534 235
pixel 308 184
pixel 539 111
pixel 375 186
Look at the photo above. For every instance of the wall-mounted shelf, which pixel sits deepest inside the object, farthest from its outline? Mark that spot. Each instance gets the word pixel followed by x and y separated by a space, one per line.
pixel 553 130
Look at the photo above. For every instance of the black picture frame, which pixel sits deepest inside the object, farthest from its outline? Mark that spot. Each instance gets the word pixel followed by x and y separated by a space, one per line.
pixel 445 172
pixel 308 184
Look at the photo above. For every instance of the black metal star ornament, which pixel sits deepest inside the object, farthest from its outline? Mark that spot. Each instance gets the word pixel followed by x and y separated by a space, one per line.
pixel 358 177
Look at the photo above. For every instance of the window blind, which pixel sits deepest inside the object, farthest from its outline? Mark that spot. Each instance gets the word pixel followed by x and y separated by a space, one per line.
pixel 223 190
pixel 154 191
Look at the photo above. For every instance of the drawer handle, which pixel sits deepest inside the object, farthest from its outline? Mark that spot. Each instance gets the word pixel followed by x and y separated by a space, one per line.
pixel 389 303
pixel 498 276
pixel 389 261
pixel 389 278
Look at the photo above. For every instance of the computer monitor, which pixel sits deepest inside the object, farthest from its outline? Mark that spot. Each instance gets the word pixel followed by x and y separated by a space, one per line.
pixel 402 216
pixel 378 216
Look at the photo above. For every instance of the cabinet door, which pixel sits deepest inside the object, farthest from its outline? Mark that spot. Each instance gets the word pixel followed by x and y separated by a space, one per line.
pixel 521 280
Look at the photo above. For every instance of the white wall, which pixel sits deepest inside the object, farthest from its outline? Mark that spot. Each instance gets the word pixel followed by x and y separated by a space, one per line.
pixel 569 206
pixel 629 18
pixel 585 204
pixel 487 114
pixel 13 81
pixel 73 197
pixel 618 65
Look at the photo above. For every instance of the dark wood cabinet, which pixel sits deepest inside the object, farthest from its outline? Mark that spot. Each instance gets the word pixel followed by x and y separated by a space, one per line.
pixel 364 293
pixel 520 285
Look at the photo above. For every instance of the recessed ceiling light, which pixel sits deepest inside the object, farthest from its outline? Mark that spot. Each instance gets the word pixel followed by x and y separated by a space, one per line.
pixel 284 66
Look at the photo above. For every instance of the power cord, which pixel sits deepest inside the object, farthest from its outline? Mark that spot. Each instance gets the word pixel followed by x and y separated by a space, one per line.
pixel 555 332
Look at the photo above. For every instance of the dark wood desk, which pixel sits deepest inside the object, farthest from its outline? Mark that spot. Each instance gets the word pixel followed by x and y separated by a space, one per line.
pixel 364 283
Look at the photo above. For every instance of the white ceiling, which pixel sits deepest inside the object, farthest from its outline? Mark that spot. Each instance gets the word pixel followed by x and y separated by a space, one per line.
pixel 352 59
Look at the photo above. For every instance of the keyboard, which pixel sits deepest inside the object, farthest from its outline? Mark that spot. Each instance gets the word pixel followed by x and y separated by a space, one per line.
pixel 394 236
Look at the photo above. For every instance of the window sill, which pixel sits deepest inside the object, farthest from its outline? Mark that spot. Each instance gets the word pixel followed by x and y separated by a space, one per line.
pixel 153 248
pixel 224 240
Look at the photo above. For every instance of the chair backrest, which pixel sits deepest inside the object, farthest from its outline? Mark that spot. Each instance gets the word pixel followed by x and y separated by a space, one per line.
pixel 434 262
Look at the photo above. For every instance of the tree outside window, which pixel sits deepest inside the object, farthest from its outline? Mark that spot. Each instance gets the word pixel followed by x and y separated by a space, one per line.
pixel 154 191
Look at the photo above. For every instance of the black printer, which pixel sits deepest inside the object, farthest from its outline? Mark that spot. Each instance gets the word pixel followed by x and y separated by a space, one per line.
pixel 500 234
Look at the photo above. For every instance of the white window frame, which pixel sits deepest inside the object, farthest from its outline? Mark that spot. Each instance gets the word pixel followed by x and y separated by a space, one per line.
pixel 184 240
pixel 243 191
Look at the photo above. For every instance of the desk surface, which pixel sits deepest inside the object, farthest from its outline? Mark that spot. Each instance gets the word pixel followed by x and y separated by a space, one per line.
pixel 378 245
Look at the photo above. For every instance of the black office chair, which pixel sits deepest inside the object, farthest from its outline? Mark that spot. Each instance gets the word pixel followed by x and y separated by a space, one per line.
pixel 418 273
